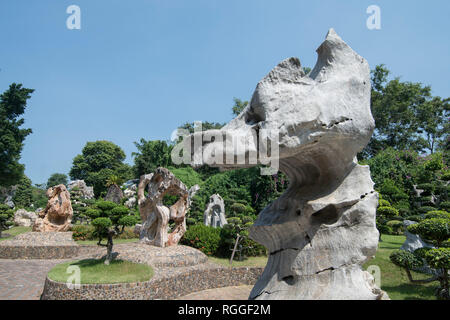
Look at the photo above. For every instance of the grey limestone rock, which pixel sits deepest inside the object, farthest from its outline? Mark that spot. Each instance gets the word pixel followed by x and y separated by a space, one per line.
pixel 322 230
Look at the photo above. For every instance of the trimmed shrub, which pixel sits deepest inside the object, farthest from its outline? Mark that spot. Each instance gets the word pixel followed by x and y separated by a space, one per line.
pixel 387 211
pixel 432 229
pixel 438 258
pixel 426 209
pixel 445 205
pixel 437 214
pixel 383 203
pixel 204 238
pixel 406 259
pixel 396 225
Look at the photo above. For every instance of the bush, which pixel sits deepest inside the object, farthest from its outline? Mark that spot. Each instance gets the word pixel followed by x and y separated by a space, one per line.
pixel 437 214
pixel 82 232
pixel 438 258
pixel 204 238
pixel 426 187
pixel 383 203
pixel 387 211
pixel 445 205
pixel 385 229
pixel 437 229
pixel 396 225
pixel 426 209
pixel 406 259
pixel 415 217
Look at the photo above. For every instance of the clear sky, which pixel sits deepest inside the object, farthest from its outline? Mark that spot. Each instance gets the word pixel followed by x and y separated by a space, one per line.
pixel 139 69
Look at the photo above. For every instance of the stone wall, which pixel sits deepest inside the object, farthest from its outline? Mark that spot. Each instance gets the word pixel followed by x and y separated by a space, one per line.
pixel 164 288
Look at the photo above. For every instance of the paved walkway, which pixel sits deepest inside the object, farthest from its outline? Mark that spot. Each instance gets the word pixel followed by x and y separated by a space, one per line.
pixel 226 293
pixel 23 279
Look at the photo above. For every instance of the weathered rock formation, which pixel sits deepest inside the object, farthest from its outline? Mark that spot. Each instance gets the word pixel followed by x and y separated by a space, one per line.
pixel 214 214
pixel 57 215
pixel 155 215
pixel 114 194
pixel 24 218
pixel 79 186
pixel 322 229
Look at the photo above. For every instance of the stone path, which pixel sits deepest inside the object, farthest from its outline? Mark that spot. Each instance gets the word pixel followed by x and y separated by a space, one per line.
pixel 226 293
pixel 23 279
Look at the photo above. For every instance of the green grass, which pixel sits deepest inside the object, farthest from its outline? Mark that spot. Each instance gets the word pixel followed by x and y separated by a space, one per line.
pixel 115 241
pixel 14 231
pixel 393 279
pixel 95 271
pixel 250 262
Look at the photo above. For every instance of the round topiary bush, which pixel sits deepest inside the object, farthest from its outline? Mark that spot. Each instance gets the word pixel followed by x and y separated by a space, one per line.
pixel 205 238
pixel 406 259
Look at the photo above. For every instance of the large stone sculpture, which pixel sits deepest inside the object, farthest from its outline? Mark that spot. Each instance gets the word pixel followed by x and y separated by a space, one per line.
pixel 57 216
pixel 322 229
pixel 114 194
pixel 214 214
pixel 155 215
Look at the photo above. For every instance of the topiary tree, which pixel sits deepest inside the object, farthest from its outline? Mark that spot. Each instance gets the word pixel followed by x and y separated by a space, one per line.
pixel 109 220
pixel 434 229
pixel 6 214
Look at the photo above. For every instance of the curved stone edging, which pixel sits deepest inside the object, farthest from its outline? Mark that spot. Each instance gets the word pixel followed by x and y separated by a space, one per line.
pixel 164 288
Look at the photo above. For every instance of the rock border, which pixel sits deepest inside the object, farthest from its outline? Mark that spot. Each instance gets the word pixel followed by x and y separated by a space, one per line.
pixel 157 288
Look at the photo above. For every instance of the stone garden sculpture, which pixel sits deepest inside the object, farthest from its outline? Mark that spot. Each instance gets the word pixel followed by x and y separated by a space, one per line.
pixel 215 212
pixel 322 230
pixel 57 216
pixel 155 215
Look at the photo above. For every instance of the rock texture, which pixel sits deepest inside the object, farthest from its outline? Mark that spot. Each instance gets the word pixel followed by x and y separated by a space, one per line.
pixel 322 229
pixel 57 216
pixel 215 212
pixel 24 218
pixel 155 215
pixel 80 187
pixel 114 194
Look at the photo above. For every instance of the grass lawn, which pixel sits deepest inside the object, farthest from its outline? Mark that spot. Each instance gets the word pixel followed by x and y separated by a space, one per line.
pixel 95 271
pixel 14 231
pixel 115 241
pixel 393 279
pixel 250 262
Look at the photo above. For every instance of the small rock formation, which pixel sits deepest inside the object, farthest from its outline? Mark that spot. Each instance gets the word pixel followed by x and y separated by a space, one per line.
pixel 322 228
pixel 215 212
pixel 24 218
pixel 57 215
pixel 8 195
pixel 130 203
pixel 155 215
pixel 80 187
pixel 413 241
pixel 192 191
pixel 114 194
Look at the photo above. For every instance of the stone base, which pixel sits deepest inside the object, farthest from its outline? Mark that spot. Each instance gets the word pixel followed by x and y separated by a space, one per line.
pixel 161 287
pixel 40 245
pixel 178 271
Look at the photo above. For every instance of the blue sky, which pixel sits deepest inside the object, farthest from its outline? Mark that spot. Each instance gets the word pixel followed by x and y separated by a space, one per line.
pixel 139 69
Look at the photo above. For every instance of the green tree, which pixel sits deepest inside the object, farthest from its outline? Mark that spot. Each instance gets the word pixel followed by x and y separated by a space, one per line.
pixel 238 106
pixel 109 220
pixel 407 116
pixel 24 193
pixel 6 214
pixel 56 179
pixel 151 155
pixel 99 161
pixel 435 229
pixel 12 105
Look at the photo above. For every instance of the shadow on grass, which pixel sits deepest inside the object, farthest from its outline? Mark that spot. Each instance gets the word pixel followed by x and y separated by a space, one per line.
pixel 93 262
pixel 421 292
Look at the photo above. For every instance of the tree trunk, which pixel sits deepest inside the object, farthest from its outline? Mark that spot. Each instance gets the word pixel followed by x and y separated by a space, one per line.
pixel 109 247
